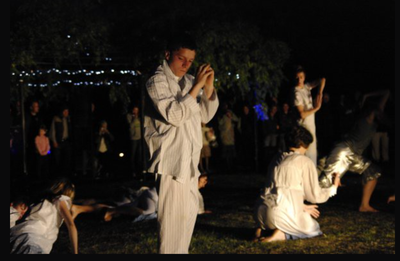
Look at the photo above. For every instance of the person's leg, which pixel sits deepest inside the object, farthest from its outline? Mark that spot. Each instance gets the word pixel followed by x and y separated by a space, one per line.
pixel 78 209
pixel 277 235
pixel 368 190
pixel 376 148
pixel 177 213
pixel 385 147
pixel 123 210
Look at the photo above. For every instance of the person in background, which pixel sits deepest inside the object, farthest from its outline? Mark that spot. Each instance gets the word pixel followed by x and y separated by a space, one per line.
pixel 104 140
pixel 60 136
pixel 227 124
pixel 135 131
pixel 206 150
pixel 42 143
pixel 306 107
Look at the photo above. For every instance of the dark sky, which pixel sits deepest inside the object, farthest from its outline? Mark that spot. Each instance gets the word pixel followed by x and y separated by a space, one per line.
pixel 351 42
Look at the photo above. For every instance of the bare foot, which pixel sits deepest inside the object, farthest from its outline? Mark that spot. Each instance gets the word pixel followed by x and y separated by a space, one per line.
pixel 109 215
pixel 276 237
pixel 392 199
pixel 368 209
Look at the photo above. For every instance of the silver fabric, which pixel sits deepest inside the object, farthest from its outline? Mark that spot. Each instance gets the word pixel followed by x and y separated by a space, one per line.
pixel 341 160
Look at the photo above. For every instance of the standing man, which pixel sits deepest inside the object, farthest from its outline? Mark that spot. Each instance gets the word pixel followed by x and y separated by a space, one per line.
pixel 60 135
pixel 173 135
pixel 136 139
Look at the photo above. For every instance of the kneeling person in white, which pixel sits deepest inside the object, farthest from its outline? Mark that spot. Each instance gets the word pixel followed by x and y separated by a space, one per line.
pixel 292 179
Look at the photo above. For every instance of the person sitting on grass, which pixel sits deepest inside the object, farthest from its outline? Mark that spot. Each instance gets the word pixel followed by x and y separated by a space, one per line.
pixel 18 208
pixel 39 231
pixel 292 179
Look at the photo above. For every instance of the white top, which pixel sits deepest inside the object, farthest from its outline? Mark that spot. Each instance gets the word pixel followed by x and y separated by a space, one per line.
pixel 14 217
pixel 292 179
pixel 44 223
pixel 303 97
pixel 172 126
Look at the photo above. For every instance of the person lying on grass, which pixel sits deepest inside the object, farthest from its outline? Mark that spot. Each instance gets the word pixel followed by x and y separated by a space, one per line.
pixel 141 204
pixel 292 179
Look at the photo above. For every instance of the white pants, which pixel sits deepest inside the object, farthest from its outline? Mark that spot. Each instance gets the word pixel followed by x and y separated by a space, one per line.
pixel 178 206
pixel 380 143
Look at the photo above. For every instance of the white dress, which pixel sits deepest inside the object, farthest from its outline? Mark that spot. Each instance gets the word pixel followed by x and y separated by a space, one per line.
pixel 292 179
pixel 304 98
pixel 40 230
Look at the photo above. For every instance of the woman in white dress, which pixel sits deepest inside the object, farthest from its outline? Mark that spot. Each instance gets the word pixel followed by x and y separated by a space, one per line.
pixel 37 234
pixel 292 179
pixel 307 109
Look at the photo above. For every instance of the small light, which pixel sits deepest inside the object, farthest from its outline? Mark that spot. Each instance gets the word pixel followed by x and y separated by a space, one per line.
pixel 121 155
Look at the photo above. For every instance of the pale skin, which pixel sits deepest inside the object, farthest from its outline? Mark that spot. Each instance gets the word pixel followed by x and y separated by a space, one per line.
pixel 181 61
pixel 392 199
pixel 21 209
pixel 277 234
pixel 301 77
pixel 69 222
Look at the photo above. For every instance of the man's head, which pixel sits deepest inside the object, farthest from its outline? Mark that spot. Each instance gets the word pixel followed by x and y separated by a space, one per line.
pixel 246 110
pixel 35 108
pixel 286 108
pixel 65 112
pixel 299 138
pixel 180 54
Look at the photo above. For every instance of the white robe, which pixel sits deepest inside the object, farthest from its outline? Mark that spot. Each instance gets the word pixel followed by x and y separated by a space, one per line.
pixel 292 179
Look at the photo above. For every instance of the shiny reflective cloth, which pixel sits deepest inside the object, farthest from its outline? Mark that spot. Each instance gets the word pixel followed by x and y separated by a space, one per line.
pixel 341 160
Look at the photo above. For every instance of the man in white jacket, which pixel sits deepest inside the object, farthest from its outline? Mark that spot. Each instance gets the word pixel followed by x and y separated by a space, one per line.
pixel 173 134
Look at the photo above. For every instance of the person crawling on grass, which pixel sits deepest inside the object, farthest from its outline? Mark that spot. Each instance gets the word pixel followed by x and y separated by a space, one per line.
pixel 39 231
pixel 18 208
pixel 292 179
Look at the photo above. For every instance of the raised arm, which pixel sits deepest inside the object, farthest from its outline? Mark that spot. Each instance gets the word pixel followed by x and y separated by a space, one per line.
pixel 385 95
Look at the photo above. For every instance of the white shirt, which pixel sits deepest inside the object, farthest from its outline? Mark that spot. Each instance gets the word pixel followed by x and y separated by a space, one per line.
pixel 303 97
pixel 172 126
pixel 292 179
pixel 43 223
pixel 14 217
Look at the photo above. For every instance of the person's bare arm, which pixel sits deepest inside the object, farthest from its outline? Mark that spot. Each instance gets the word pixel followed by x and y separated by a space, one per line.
pixel 385 94
pixel 317 83
pixel 304 114
pixel 69 222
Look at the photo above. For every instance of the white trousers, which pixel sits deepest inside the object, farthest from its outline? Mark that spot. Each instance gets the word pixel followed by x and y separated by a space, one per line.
pixel 178 206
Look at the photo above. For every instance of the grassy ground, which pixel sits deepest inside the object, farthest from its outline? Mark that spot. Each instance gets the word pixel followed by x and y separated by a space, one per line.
pixel 230 228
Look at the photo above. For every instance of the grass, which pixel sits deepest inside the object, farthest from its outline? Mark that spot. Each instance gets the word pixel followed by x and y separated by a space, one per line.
pixel 230 228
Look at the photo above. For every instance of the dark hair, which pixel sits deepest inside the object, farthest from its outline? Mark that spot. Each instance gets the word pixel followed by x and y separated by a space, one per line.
pixel 43 127
pixel 299 137
pixel 300 69
pixel 177 42
pixel 22 200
